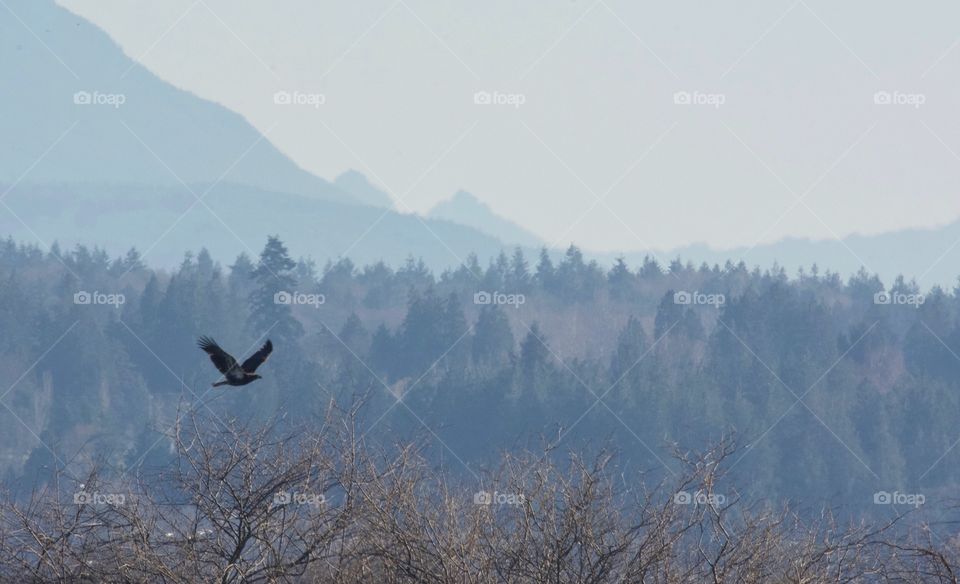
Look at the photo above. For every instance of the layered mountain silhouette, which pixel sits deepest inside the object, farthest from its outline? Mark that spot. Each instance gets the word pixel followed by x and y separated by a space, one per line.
pixel 116 122
pixel 164 222
pixel 98 150
pixel 356 184
pixel 466 209
pixel 931 256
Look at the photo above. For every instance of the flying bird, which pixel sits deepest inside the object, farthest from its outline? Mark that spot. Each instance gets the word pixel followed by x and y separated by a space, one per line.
pixel 234 373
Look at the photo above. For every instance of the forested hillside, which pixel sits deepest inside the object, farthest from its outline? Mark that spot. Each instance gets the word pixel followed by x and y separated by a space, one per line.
pixel 834 389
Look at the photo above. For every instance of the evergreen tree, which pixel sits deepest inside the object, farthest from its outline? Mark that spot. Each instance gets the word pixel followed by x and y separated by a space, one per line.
pixel 150 306
pixel 534 360
pixel 632 346
pixel 274 282
pixel 306 274
pixel 492 340
pixel 383 352
pixel 421 338
pixel 546 274
pixel 206 267
pixel 337 283
pixel 496 275
pixel 352 349
pixel 354 335
pixel 453 333
pixel 414 274
pixel 621 281
pixel 381 286
pixel 927 346
pixel 241 275
pixel 131 262
pixel 650 270
pixel 577 281
pixel 518 276
pixel 669 314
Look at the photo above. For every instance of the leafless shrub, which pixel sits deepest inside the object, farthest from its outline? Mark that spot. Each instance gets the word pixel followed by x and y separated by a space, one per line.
pixel 244 503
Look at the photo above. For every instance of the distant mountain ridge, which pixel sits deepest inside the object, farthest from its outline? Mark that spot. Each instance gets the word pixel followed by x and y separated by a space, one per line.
pixel 164 222
pixel 96 149
pixel 931 256
pixel 466 209
pixel 100 117
pixel 357 185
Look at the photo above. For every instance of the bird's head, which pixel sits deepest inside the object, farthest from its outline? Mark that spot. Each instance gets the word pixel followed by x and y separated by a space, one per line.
pixel 255 376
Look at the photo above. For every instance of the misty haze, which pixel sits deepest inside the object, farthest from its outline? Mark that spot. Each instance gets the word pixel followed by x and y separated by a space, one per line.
pixel 413 291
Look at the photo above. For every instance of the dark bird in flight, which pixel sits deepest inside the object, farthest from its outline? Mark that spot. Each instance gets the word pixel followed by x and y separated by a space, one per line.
pixel 234 373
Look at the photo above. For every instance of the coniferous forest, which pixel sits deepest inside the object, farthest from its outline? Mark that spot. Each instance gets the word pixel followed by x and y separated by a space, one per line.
pixel 833 390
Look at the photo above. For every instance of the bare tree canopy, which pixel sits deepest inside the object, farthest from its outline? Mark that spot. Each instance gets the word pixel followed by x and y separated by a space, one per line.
pixel 246 503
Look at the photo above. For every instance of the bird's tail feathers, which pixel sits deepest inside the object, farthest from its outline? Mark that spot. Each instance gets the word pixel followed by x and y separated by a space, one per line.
pixel 218 383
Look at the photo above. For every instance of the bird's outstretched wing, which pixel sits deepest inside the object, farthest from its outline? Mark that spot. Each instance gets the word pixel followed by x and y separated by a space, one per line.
pixel 257 359
pixel 222 360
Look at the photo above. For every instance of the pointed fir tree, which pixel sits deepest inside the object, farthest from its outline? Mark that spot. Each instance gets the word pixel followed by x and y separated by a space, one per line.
pixel 621 280
pixel 546 274
pixel 274 282
pixel 518 275
pixel 492 340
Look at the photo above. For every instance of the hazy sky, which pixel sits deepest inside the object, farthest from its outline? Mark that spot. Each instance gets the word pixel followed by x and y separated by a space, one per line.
pixel 787 89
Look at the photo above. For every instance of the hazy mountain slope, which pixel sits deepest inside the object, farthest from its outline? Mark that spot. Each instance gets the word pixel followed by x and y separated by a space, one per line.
pixel 110 173
pixel 159 135
pixel 932 256
pixel 198 140
pixel 466 209
pixel 160 221
pixel 355 184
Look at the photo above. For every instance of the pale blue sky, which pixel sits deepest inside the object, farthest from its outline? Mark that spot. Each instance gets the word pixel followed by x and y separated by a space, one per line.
pixel 598 79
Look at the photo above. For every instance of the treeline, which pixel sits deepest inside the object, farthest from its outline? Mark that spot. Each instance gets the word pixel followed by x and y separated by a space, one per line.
pixel 840 388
